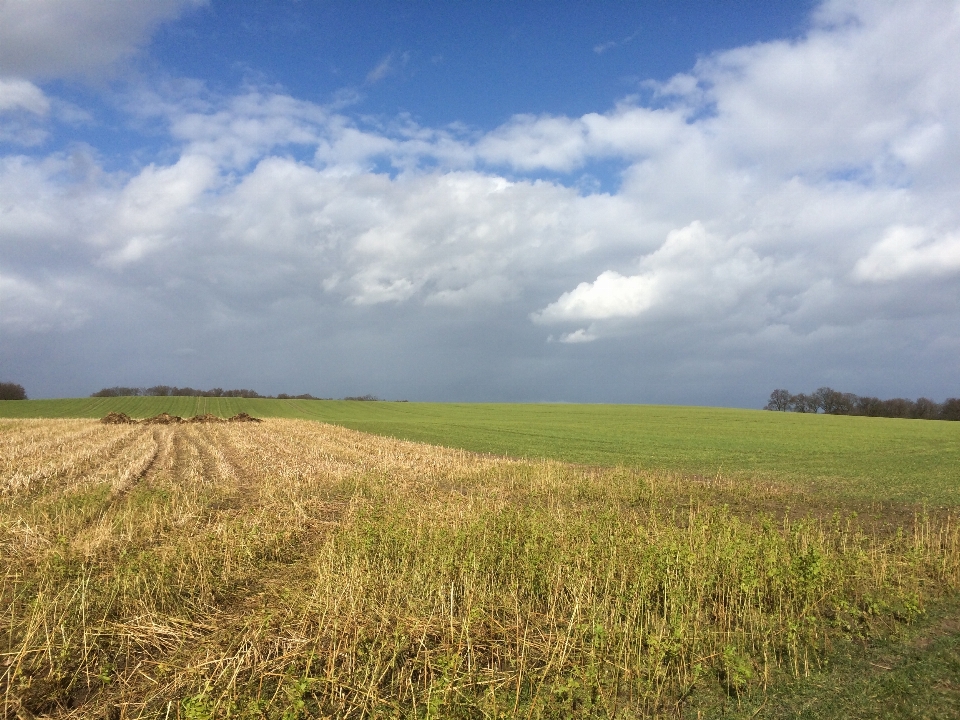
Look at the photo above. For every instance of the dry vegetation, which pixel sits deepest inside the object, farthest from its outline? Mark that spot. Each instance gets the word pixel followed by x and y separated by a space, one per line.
pixel 294 569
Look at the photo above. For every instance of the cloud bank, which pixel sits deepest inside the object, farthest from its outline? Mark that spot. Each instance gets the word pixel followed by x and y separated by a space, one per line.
pixel 788 207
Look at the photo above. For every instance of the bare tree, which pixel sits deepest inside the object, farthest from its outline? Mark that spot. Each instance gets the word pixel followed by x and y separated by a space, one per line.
pixel 950 410
pixel 898 408
pixel 804 403
pixel 926 409
pixel 779 400
pixel 834 402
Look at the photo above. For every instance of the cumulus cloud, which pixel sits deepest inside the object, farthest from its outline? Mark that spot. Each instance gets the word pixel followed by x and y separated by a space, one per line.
pixel 54 38
pixel 247 127
pixel 907 251
pixel 611 295
pixel 691 274
pixel 563 144
pixel 153 209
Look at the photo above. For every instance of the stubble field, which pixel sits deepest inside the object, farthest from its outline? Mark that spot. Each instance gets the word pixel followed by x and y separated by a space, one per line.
pixel 296 569
pixel 867 459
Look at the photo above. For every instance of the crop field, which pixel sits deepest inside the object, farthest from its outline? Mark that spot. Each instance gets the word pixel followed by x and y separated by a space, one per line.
pixel 293 568
pixel 864 458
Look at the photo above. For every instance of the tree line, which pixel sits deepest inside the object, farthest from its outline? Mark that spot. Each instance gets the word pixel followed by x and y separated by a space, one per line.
pixel 834 402
pixel 170 391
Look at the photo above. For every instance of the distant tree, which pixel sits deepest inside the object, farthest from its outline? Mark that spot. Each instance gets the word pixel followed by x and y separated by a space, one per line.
pixel 926 409
pixel 833 402
pixel 849 403
pixel 12 391
pixel 869 406
pixel 897 408
pixel 826 399
pixel 779 400
pixel 363 398
pixel 804 403
pixel 950 410
pixel 171 391
pixel 119 391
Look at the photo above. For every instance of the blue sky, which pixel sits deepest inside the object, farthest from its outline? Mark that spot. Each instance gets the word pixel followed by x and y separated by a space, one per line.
pixel 640 202
pixel 477 63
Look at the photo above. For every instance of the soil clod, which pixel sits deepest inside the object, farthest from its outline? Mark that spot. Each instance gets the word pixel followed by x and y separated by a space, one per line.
pixel 207 418
pixel 163 419
pixel 243 417
pixel 117 418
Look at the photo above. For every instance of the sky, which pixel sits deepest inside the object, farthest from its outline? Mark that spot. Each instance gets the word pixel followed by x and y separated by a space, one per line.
pixel 629 202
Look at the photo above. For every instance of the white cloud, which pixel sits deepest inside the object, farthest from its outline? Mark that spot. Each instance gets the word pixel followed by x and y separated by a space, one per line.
pixel 247 127
pixel 53 38
pixel 456 239
pixel 23 106
pixel 528 142
pixel 563 144
pixel 611 295
pixel 692 275
pixel 383 68
pixel 22 95
pixel 582 335
pixel 909 251
pixel 841 98
pixel 154 209
pixel 601 48
pixel 856 99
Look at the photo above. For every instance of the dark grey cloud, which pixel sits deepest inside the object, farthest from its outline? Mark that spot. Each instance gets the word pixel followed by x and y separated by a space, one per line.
pixel 56 38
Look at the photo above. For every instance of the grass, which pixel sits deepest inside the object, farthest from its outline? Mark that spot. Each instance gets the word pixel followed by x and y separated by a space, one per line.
pixel 879 459
pixel 295 569
pixel 914 674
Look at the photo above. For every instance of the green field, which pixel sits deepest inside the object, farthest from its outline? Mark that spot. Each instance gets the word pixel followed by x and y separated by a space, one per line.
pixel 858 457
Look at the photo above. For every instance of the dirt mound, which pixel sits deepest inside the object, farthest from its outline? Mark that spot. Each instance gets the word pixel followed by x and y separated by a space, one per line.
pixel 207 418
pixel 115 418
pixel 243 417
pixel 163 419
